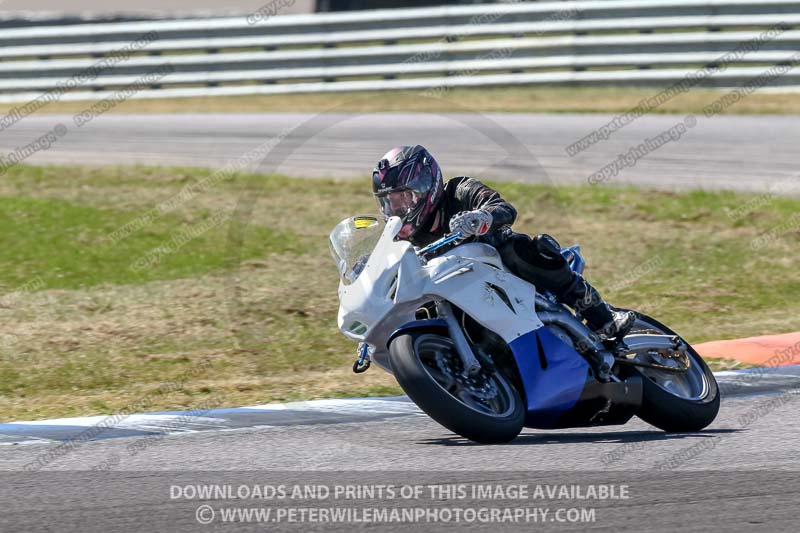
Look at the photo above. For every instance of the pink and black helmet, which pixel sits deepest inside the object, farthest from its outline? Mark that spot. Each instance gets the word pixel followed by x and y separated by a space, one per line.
pixel 407 182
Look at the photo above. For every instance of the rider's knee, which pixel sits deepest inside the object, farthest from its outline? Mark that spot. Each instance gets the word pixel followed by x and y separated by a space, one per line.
pixel 549 252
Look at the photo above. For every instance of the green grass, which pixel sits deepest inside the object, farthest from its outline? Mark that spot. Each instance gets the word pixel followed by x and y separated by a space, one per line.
pixel 68 245
pixel 255 296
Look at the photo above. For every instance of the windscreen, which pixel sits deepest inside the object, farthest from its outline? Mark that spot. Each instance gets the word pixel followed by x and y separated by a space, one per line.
pixel 351 242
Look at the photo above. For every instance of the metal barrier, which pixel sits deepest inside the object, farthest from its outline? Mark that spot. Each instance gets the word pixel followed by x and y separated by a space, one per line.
pixel 593 42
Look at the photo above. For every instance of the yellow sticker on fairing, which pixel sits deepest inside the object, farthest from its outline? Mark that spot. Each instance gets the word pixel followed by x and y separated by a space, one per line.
pixel 364 222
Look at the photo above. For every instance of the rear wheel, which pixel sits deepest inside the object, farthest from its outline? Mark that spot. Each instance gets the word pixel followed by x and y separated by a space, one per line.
pixel 484 408
pixel 676 401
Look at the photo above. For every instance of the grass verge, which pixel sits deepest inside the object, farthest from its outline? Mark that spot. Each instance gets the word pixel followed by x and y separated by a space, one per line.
pixel 82 332
pixel 505 99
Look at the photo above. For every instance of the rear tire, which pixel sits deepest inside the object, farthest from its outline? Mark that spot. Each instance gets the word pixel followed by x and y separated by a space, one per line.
pixel 667 411
pixel 424 390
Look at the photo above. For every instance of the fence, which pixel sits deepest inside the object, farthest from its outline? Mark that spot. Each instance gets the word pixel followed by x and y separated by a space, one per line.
pixel 593 42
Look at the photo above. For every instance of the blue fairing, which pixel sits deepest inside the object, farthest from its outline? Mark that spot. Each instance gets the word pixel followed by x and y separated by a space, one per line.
pixel 573 256
pixel 553 376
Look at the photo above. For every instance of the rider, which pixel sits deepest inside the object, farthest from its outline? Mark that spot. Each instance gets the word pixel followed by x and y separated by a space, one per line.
pixel 407 182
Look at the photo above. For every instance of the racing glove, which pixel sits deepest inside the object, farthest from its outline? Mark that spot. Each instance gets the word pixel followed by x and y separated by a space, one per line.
pixel 468 223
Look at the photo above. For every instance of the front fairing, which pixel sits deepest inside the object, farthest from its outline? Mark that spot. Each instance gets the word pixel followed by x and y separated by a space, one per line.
pixel 395 282
pixel 365 303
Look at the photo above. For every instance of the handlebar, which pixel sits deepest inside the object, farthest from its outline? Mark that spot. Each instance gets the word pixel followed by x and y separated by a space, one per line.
pixel 444 241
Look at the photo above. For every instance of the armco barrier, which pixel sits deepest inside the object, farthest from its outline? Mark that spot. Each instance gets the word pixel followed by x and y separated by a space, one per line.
pixel 593 42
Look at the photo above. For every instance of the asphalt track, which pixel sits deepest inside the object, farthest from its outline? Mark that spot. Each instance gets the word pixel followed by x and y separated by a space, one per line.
pixel 740 474
pixel 726 152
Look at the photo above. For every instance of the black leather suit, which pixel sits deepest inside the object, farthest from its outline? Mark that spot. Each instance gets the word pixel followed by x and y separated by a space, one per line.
pixel 537 259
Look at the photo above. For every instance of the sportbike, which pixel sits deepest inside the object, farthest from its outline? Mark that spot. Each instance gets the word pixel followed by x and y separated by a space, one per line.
pixel 484 354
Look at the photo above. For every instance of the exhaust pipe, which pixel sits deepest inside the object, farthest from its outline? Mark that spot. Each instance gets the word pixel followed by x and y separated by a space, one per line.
pixel 550 312
pixel 585 340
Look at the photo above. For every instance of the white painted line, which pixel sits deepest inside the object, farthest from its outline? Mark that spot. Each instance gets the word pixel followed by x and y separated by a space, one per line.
pixel 273 414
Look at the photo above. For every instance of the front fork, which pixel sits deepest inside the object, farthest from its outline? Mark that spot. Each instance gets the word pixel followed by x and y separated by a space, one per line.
pixel 471 364
pixel 445 312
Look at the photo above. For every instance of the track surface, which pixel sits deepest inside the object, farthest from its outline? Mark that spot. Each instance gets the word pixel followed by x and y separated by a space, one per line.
pixel 736 152
pixel 741 473
pixel 414 442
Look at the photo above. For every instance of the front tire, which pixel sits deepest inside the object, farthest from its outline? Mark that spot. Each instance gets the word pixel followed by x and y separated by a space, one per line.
pixel 420 361
pixel 688 406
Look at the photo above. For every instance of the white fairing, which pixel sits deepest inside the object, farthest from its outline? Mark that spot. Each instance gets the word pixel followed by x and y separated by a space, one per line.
pixel 395 283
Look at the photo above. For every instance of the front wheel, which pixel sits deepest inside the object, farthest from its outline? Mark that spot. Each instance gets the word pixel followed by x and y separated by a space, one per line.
pixel 676 402
pixel 485 408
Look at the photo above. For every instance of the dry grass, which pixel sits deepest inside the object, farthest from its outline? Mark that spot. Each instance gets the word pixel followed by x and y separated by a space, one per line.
pixel 512 99
pixel 267 327
pixel 101 349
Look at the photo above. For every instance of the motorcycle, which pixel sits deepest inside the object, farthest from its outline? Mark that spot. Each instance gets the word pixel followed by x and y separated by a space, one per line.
pixel 484 354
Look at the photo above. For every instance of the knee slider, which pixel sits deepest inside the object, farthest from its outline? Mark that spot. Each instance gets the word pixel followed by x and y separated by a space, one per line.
pixel 548 249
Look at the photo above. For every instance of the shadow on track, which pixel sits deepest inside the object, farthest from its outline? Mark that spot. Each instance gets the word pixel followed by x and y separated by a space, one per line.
pixel 620 437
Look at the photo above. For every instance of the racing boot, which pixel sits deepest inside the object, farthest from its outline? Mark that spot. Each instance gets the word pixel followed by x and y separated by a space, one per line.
pixel 608 323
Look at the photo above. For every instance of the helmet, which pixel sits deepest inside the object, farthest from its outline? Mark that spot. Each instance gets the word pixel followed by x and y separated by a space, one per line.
pixel 407 183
